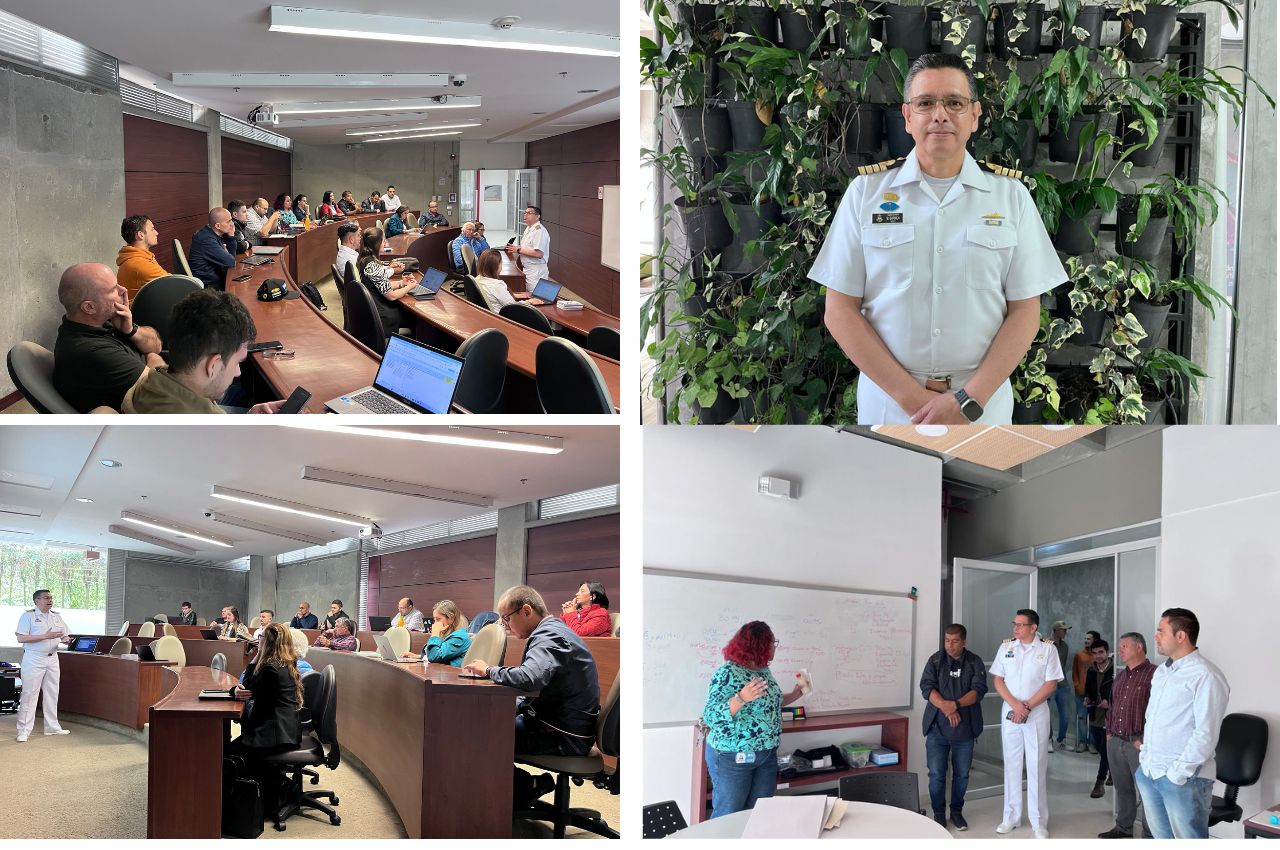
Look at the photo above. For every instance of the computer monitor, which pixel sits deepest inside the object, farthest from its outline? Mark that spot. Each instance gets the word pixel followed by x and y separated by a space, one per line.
pixel 84 644
pixel 547 290
pixel 379 624
pixel 418 375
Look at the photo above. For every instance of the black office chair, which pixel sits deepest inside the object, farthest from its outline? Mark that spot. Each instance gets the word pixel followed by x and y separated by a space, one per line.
pixel 604 341
pixel 527 315
pixel 363 321
pixel 31 370
pixel 580 769
pixel 1242 746
pixel 471 290
pixel 484 371
pixel 154 303
pixel 891 788
pixel 338 281
pixel 568 379
pixel 662 819
pixel 8 695
pixel 310 752
pixel 453 267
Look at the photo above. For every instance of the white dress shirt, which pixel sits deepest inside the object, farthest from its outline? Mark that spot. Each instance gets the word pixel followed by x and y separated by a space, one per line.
pixel 1184 715
pixel 495 292
pixel 1025 667
pixel 346 254
pixel 34 622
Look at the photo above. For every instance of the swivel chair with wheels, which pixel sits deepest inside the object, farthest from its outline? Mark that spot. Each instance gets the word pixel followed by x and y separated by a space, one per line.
pixel 310 752
pixel 1242 747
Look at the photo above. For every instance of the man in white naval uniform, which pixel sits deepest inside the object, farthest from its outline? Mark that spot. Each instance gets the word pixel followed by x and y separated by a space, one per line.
pixel 40 630
pixel 1026 672
pixel 534 248
pixel 934 265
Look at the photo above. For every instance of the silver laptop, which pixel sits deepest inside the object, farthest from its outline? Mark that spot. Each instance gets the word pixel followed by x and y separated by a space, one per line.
pixel 545 292
pixel 268 250
pixel 413 378
pixel 389 654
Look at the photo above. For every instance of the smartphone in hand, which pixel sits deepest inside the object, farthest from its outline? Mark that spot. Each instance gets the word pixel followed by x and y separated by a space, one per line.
pixel 296 401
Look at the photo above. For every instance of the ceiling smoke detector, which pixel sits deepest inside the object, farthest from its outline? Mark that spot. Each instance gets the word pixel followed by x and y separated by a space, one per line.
pixel 506 22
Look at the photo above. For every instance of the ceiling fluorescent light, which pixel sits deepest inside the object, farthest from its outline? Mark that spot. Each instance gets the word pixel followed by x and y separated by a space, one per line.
pixel 143 537
pixel 387 485
pixel 219 492
pixel 378 131
pixel 349 120
pixel 425 31
pixel 325 107
pixel 397 80
pixel 422 136
pixel 147 521
pixel 241 522
pixel 457 435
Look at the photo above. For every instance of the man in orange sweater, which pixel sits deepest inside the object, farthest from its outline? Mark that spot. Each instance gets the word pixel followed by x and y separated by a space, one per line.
pixel 1079 672
pixel 136 260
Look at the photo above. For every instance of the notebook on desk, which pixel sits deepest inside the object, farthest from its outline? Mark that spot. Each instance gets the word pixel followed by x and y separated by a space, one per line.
pixel 412 378
pixel 545 292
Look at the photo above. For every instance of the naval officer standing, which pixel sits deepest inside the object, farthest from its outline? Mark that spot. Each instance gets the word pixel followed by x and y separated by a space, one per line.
pixel 1026 672
pixel 934 266
pixel 534 248
pixel 40 631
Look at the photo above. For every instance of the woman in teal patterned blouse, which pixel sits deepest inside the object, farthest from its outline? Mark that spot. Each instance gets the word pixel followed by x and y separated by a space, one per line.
pixel 744 713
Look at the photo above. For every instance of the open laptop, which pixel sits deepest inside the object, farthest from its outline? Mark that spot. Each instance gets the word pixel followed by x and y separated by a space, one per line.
pixel 545 292
pixel 413 378
pixel 379 624
pixel 389 654
pixel 84 644
pixel 209 634
pixel 432 280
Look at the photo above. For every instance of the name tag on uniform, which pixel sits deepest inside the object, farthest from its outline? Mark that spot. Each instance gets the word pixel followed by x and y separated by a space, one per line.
pixel 886 218
pixel 745 758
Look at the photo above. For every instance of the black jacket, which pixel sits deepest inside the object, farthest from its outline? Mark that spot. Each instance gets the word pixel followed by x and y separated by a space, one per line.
pixel 973 677
pixel 272 717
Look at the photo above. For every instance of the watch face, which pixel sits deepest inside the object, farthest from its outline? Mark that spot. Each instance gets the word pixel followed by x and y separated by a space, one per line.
pixel 971 410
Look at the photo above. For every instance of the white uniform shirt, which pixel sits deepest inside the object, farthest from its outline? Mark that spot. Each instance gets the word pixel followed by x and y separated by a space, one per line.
pixel 32 622
pixel 536 238
pixel 1026 666
pixel 1188 701
pixel 935 279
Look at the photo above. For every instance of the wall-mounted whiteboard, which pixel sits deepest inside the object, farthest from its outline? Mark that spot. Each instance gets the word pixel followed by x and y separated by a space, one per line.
pixel 856 645
pixel 610 230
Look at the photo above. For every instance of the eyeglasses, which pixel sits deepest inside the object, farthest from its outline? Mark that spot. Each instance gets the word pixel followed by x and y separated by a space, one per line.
pixel 954 105
pixel 777 643
pixel 1018 625
pixel 507 619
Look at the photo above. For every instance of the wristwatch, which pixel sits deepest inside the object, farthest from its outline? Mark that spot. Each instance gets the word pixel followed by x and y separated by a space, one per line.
pixel 133 331
pixel 968 406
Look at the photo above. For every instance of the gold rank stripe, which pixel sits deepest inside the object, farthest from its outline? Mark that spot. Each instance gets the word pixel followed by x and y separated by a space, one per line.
pixel 1003 171
pixel 866 170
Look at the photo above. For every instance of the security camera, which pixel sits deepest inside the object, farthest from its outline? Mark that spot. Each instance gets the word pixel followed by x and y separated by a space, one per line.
pixel 208 514
pixel 458 80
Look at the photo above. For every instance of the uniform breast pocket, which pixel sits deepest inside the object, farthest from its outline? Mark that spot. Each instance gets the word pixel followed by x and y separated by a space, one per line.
pixel 989 252
pixel 889 252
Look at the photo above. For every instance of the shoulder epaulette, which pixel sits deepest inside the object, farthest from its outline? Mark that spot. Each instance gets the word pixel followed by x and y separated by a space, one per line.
pixel 866 170
pixel 1001 170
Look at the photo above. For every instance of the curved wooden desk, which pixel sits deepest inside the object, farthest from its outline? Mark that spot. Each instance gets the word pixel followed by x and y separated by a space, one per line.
pixel 120 689
pixel 579 321
pixel 199 652
pixel 314 250
pixel 412 725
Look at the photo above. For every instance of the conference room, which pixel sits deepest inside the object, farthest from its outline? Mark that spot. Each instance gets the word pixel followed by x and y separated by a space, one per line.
pixel 456 160
pixel 306 631
pixel 828 565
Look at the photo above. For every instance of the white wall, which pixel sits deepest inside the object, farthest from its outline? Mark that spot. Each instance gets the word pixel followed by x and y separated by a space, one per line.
pixel 476 154
pixel 867 517
pixel 1220 557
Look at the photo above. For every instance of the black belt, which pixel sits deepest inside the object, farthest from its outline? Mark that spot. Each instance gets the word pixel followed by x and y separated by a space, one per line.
pixel 1126 737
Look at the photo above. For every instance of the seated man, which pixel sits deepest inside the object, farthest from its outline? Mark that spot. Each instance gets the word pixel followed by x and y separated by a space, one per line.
pixel 265 617
pixel 348 247
pixel 335 614
pixel 374 204
pixel 213 249
pixel 341 637
pixel 561 719
pixel 211 333
pixel 259 221
pixel 100 352
pixel 408 616
pixel 188 614
pixel 467 237
pixel 304 619
pixel 137 261
pixel 432 217
pixel 347 203
pixel 246 238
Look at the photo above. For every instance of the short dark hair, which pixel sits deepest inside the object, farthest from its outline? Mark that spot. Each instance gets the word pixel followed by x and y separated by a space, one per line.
pixel 1097 636
pixel 1099 643
pixel 267 611
pixel 371 242
pixel 389 188
pixel 299 197
pixel 185 605
pixel 41 592
pixel 1030 614
pixel 207 322
pixel 536 210
pixel 940 62
pixel 132 226
pixel 956 629
pixel 347 228
pixel 598 594
pixel 410 601
pixel 375 192
pixel 337 602
pixel 1136 638
pixel 401 210
pixel 1182 620
pixel 234 207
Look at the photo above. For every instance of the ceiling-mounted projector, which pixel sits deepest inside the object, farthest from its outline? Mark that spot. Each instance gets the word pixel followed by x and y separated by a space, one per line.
pixel 264 115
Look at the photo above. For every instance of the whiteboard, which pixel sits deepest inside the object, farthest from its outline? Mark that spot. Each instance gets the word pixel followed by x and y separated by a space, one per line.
pixel 856 645
pixel 610 227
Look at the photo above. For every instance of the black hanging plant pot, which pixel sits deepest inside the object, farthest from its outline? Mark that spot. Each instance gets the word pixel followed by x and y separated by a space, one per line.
pixel 1064 142
pixel 1078 237
pixel 721 411
pixel 704 129
pixel 1093 327
pixel 1152 318
pixel 1089 19
pixel 745 126
pixel 1158 22
pixel 799 30
pixel 1027 45
pixel 705 227
pixel 1143 157
pixel 906 27
pixel 1076 392
pixel 895 132
pixel 698 17
pixel 855 39
pixel 975 36
pixel 1029 414
pixel 1149 242
pixel 862 127
pixel 760 21
pixel 751 226
pixel 1155 402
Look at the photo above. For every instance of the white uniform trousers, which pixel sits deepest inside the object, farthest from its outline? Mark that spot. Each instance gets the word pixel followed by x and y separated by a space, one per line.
pixel 1030 739
pixel 876 407
pixel 40 674
pixel 534 271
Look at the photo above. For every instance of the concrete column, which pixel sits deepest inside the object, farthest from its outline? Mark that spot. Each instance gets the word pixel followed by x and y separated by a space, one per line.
pixel 262 585
pixel 509 563
pixel 213 120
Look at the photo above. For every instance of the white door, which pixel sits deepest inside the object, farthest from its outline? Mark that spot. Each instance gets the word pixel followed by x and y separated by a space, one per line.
pixel 985 596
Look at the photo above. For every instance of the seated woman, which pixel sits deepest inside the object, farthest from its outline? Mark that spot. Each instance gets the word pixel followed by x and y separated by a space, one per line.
pixel 377 277
pixel 301 208
pixel 449 641
pixel 233 628
pixel 587 613
pixel 399 223
pixel 300 649
pixel 329 207
pixel 495 291
pixel 284 206
pixel 274 690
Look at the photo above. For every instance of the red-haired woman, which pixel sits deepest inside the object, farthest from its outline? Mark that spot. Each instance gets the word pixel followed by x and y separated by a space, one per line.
pixel 744 712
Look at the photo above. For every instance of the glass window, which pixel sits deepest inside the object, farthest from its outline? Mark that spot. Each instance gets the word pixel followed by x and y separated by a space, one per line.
pixel 78 584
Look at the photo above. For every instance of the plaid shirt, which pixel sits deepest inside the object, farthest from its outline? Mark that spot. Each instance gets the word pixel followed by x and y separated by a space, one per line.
pixel 1130 693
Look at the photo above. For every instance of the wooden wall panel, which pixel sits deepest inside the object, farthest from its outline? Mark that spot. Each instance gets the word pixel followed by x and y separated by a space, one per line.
pixel 166 177
pixel 557 588
pixel 572 167
pixel 560 557
pixel 252 171
pixel 461 571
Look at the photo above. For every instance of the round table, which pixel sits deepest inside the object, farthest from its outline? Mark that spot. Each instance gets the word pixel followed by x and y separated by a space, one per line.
pixel 861 820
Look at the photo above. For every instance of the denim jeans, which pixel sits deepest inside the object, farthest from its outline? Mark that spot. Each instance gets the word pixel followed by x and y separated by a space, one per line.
pixel 937 748
pixel 1062 699
pixel 735 786
pixel 1176 811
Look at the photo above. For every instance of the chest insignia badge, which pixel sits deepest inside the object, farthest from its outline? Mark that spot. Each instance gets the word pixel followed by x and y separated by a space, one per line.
pixel 888 206
pixel 890 196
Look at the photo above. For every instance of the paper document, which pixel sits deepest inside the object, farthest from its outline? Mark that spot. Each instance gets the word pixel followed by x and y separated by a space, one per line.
pixel 835 812
pixel 805 683
pixel 787 817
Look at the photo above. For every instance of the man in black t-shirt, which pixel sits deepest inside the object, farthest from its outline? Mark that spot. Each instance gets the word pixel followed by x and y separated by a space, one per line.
pixel 100 353
pixel 953 684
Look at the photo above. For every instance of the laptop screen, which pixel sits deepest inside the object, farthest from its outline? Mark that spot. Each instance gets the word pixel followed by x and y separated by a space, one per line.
pixel 419 375
pixel 546 290
pixel 432 279
pixel 85 644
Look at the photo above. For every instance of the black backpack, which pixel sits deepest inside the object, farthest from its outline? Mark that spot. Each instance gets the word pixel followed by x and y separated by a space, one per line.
pixel 313 295
pixel 241 800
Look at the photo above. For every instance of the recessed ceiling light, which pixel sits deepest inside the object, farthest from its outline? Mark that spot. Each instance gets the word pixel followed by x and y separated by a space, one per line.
pixel 244 498
pixel 252 525
pixel 460 435
pixel 147 521
pixel 320 107
pixel 387 485
pixel 420 136
pixel 143 537
pixel 85 501
pixel 111 464
pixel 537 113
pixel 385 130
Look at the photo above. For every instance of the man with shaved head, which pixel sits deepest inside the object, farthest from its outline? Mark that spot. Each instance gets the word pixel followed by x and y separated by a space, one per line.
pixel 213 249
pixel 100 352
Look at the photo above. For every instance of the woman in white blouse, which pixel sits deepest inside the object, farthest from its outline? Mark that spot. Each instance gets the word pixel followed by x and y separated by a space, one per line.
pixel 495 291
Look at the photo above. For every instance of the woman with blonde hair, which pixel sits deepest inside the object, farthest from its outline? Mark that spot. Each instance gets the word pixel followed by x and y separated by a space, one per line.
pixel 449 640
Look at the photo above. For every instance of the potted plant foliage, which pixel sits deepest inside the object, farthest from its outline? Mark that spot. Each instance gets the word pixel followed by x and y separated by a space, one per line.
pixel 964 29
pixel 1009 137
pixel 1074 24
pixel 1153 298
pixel 895 126
pixel 1161 376
pixel 804 27
pixel 1146 26
pixel 1143 217
pixel 1018 28
pixel 1034 389
pixel 857 24
pixel 1149 109
pixel 1098 293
